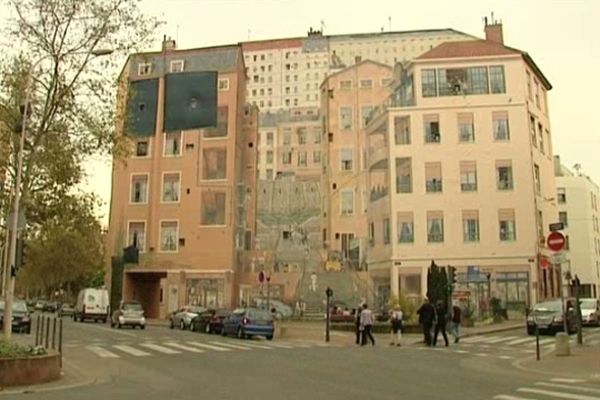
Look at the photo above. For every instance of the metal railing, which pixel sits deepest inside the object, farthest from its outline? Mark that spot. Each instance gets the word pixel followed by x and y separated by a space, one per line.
pixel 49 333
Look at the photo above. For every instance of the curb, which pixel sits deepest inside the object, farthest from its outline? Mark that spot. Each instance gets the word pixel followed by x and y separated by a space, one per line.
pixel 594 378
pixel 496 330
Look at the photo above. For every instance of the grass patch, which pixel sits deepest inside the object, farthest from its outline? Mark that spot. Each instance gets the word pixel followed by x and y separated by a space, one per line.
pixel 13 350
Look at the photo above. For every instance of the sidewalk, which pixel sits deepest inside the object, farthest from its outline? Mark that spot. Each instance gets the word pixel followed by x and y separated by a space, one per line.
pixel 583 363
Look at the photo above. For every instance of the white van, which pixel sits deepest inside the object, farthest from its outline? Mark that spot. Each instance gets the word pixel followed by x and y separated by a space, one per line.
pixel 92 304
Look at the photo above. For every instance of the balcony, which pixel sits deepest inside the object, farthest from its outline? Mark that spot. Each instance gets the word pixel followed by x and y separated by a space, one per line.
pixel 433 186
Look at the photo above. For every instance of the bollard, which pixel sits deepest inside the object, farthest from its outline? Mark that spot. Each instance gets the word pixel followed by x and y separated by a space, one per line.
pixel 47 334
pixel 60 338
pixel 54 333
pixel 37 330
pixel 562 344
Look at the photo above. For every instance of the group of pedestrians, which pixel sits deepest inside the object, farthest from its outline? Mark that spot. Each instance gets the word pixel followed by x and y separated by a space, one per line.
pixel 433 320
pixel 363 322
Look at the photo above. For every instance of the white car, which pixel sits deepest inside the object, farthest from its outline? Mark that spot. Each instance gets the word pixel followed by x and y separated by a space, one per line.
pixel 183 317
pixel 590 312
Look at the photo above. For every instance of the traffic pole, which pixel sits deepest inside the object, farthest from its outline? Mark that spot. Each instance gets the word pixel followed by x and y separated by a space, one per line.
pixel 537 341
pixel 578 310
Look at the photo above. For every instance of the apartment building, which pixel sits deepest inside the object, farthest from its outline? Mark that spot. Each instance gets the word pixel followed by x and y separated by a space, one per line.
pixel 577 197
pixel 460 162
pixel 184 195
pixel 284 73
pixel 348 98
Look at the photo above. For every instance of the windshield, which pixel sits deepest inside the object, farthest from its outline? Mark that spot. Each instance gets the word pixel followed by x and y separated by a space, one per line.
pixel 588 304
pixel 259 315
pixel 132 307
pixel 550 306
pixel 18 306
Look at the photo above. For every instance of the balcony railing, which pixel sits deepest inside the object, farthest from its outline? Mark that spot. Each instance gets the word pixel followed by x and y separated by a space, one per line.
pixel 434 186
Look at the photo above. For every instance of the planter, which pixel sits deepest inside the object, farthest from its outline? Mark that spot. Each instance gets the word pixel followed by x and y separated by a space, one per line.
pixel 29 370
pixel 384 327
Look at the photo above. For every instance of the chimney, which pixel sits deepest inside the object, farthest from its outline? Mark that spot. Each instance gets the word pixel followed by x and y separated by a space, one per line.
pixel 493 31
pixel 168 44
pixel 357 59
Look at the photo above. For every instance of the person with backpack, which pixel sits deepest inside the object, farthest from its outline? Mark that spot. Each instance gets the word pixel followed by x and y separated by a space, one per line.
pixel 396 320
pixel 455 323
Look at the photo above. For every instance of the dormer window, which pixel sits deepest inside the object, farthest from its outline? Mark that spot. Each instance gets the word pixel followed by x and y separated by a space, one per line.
pixel 144 69
pixel 176 66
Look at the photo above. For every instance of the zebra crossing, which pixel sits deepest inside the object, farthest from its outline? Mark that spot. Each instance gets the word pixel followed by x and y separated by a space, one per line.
pixel 519 342
pixel 154 348
pixel 556 388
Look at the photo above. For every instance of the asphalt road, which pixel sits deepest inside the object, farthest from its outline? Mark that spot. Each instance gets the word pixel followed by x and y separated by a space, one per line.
pixel 158 363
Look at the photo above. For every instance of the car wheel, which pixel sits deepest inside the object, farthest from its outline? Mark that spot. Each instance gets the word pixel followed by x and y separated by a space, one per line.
pixel 142 327
pixel 192 327
pixel 207 329
pixel 270 337
pixel 104 321
pixel 182 325
pixel 119 325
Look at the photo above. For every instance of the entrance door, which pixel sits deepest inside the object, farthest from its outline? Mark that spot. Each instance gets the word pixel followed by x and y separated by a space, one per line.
pixel 173 298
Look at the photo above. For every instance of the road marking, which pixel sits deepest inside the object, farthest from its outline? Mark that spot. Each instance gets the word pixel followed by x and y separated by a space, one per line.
pixel 594 342
pixel 208 346
pixel 131 350
pixel 160 349
pixel 569 387
pixel 558 395
pixel 258 346
pixel 482 354
pixel 502 339
pixel 460 351
pixel 233 346
pixel 476 339
pixel 303 345
pixel 99 351
pixel 519 341
pixel 567 380
pixel 117 331
pixel 505 357
pixel 281 345
pixel 183 347
pixel 507 397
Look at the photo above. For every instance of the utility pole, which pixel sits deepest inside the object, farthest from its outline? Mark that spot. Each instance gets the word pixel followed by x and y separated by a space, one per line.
pixel 329 294
pixel 576 284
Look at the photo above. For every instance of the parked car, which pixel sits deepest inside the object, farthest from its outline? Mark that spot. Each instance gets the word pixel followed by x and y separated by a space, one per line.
pixel 282 310
pixel 210 321
pixel 31 304
pixel 50 306
pixel 248 322
pixel 129 313
pixel 39 305
pixel 183 317
pixel 21 320
pixel 590 312
pixel 92 304
pixel 549 317
pixel 66 309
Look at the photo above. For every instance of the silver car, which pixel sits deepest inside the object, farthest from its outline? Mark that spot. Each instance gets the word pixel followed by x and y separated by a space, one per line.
pixel 590 312
pixel 183 317
pixel 130 313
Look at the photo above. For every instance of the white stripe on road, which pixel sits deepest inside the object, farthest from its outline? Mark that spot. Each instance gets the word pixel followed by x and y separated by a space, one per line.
pixel 131 350
pixel 594 342
pixel 99 351
pixel 507 397
pixel 482 354
pixel 461 351
pixel 502 339
pixel 258 346
pixel 183 347
pixel 160 349
pixel 233 346
pixel 281 345
pixel 208 346
pixel 567 380
pixel 558 395
pixel 519 341
pixel 481 339
pixel 505 357
pixel 542 342
pixel 569 387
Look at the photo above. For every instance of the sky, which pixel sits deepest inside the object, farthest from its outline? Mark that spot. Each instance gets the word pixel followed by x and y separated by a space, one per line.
pixel 562 36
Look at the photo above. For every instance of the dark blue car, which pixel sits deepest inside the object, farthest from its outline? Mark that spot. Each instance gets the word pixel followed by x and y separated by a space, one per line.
pixel 248 322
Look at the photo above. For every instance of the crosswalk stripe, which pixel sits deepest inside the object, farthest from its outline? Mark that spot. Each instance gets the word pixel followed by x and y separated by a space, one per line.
pixel 131 350
pixel 507 397
pixel 281 345
pixel 482 354
pixel 542 342
pixel 184 347
pixel 208 346
pixel 99 351
pixel 558 395
pixel 594 342
pixel 302 345
pixel 461 351
pixel 474 339
pixel 160 349
pixel 569 387
pixel 257 346
pixel 519 341
pixel 233 346
pixel 567 380
pixel 502 339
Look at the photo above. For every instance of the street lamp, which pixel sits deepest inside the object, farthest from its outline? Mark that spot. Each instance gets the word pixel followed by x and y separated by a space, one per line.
pixel 10 272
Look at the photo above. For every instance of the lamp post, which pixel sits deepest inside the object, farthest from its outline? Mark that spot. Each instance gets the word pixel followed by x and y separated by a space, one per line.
pixel 10 268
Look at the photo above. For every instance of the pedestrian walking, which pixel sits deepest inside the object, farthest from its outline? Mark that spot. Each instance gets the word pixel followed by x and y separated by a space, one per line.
pixel 442 319
pixel 366 322
pixel 357 326
pixel 396 320
pixel 455 323
pixel 426 317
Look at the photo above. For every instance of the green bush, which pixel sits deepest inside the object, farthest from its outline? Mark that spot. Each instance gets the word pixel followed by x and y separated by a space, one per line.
pixel 13 350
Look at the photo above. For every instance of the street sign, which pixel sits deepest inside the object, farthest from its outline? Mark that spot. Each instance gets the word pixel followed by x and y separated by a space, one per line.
pixel 543 262
pixel 556 241
pixel 557 226
pixel 261 276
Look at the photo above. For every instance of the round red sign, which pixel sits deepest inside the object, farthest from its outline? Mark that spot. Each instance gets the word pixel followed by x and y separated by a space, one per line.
pixel 543 262
pixel 556 241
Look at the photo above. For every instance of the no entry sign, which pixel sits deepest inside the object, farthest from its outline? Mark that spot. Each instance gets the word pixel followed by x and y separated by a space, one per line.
pixel 556 241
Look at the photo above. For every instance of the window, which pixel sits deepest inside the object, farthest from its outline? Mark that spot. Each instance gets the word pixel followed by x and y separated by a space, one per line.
pixel 529 93
pixel 345 85
pixel 269 138
pixel 462 81
pixel 213 208
pixel 428 83
pixel 347 201
pixel 405 227
pixel 142 148
pixel 470 225
pixel 541 137
pixel 366 84
pixel 403 175
pixel 372 234
pixel 222 124
pixel 435 226
pixel 506 218
pixel 286 158
pixel 136 232
pixel 561 193
pixel 500 125
pixel 269 174
pixel 269 156
pixel 173 144
pixel 466 130
pixel 432 129
pixel 346 159
pixel 504 175
pixel 433 177
pixel 385 82
pixel 532 130
pixel 169 236
pixel 536 175
pixel 317 133
pixel 346 118
pixel 301 134
pixel 468 176
pixel 287 136
pixel 365 113
pixel 497 83
pixel 170 188
pixel 316 156
pixel 144 69
pixel 537 93
pixel 176 66
pixel 214 164
pixel 562 217
pixel 139 189
pixel 386 231
pixel 402 130
pixel 302 159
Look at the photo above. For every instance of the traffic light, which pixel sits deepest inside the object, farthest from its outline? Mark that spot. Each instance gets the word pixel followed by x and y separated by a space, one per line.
pixel 21 254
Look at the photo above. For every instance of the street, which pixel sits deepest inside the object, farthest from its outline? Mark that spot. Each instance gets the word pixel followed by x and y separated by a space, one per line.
pixel 159 363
